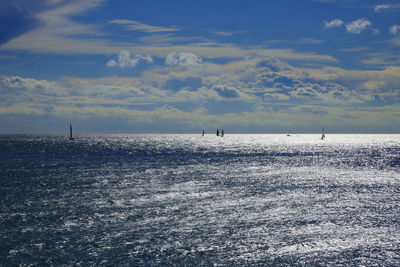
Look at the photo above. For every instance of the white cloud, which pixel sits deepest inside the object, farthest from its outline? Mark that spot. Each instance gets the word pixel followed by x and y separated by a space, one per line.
pixel 183 59
pixel 18 82
pixel 333 23
pixel 358 26
pixel 243 81
pixel 59 33
pixel 112 63
pixel 125 60
pixel 22 87
pixel 386 7
pixel 133 25
pixel 379 8
pixel 395 29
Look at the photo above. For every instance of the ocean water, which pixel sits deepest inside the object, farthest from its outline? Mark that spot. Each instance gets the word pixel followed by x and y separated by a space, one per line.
pixel 190 200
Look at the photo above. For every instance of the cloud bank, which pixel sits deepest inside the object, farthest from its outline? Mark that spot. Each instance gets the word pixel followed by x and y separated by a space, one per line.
pixel 252 92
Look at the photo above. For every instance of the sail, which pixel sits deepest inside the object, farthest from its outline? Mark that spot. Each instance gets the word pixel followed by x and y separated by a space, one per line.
pixel 70 132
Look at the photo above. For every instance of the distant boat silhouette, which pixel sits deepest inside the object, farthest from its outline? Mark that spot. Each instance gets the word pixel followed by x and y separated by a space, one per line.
pixel 323 133
pixel 70 132
pixel 222 133
pixel 203 133
pixel 217 132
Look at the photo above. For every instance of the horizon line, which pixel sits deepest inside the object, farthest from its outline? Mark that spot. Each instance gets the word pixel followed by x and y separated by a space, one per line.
pixel 192 133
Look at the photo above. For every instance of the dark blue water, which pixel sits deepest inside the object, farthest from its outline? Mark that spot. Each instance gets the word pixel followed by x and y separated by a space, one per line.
pixel 192 200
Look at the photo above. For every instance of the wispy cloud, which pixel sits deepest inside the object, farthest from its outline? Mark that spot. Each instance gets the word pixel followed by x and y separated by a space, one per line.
pixel 221 33
pixel 7 57
pixel 310 41
pixel 313 41
pixel 133 25
pixel 386 58
pixel 386 7
pixel 379 8
pixel 333 23
pixel 358 26
pixel 166 39
pixel 58 33
pixel 226 33
pixel 125 60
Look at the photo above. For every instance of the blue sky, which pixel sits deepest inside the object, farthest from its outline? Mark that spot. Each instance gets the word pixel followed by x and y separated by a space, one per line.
pixel 179 66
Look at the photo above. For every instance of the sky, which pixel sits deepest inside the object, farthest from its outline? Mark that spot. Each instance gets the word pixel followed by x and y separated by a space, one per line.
pixel 174 66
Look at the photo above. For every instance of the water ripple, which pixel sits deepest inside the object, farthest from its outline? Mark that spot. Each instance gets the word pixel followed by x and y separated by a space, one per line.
pixel 187 200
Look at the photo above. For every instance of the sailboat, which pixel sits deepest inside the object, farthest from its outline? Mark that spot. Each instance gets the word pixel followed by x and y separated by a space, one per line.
pixel 217 132
pixel 203 133
pixel 70 132
pixel 323 133
pixel 222 133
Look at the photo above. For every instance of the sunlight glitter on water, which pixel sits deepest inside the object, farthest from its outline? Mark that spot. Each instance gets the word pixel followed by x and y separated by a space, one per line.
pixel 186 199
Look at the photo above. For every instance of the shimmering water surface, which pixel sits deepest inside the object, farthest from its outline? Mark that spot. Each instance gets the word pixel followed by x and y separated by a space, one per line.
pixel 192 200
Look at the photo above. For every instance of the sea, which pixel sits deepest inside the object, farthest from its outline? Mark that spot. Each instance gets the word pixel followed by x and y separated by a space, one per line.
pixel 192 200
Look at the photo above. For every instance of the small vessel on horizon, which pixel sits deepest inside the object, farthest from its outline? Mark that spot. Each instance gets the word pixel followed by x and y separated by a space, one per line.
pixel 203 133
pixel 222 133
pixel 70 132
pixel 217 132
pixel 323 133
